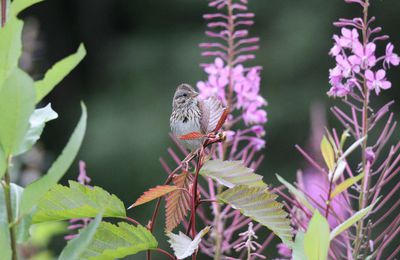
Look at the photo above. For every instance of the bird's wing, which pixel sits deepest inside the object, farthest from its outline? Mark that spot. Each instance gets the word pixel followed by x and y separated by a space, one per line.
pixel 211 111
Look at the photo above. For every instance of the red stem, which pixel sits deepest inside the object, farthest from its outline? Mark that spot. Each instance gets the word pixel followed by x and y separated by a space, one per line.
pixel 133 221
pixel 3 12
pixel 194 197
pixel 328 199
pixel 165 253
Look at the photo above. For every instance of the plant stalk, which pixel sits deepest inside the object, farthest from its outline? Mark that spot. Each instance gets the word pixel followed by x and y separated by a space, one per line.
pixel 3 12
pixel 363 197
pixel 231 56
pixel 10 218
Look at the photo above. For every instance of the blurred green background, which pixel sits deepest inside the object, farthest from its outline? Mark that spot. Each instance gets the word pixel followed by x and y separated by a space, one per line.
pixel 138 51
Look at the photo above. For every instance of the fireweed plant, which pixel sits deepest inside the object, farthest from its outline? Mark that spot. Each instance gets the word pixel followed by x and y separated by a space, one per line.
pixel 212 195
pixel 329 199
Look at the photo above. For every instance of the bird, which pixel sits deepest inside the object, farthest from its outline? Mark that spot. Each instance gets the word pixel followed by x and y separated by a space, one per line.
pixel 192 114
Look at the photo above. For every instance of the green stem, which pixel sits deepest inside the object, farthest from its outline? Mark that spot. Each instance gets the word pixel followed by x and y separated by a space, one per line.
pixel 10 218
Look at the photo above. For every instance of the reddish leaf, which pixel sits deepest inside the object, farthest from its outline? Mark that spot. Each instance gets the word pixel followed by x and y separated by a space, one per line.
pixel 191 136
pixel 153 193
pixel 178 201
pixel 222 119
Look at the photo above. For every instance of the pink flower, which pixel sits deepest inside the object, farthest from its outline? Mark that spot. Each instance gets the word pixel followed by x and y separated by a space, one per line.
pixel 349 38
pixel 348 66
pixel 284 250
pixel 217 68
pixel 337 48
pixel 258 130
pixel 390 56
pixel 339 90
pixel 335 75
pixel 377 81
pixel 253 115
pixel 365 57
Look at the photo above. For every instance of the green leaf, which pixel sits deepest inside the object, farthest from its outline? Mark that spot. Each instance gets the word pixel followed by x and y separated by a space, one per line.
pixel 5 245
pixel 22 229
pixel 352 147
pixel 56 73
pixel 77 201
pixel 346 184
pixel 41 234
pixel 183 245
pixel 343 138
pixel 111 241
pixel 19 5
pixel 231 173
pixel 298 248
pixel 298 194
pixel 3 163
pixel 16 105
pixel 339 169
pixel 328 153
pixel 78 245
pixel 350 221
pixel 259 204
pixel 36 125
pixel 36 190
pixel 10 47
pixel 316 239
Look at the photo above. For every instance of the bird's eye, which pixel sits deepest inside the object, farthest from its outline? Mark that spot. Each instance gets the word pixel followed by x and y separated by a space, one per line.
pixel 185 95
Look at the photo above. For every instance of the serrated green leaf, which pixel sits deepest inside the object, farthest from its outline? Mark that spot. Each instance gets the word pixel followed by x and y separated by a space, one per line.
pixel 260 205
pixel 78 245
pixel 328 153
pixel 350 221
pixel 298 194
pixel 10 47
pixel 183 245
pixel 16 105
pixel 36 190
pixel 114 241
pixel 36 125
pixel 316 239
pixel 77 201
pixel 18 6
pixel 298 247
pixel 56 73
pixel 346 184
pixel 231 173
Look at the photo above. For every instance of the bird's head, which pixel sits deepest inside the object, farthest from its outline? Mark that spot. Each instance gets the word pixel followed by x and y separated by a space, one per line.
pixel 184 96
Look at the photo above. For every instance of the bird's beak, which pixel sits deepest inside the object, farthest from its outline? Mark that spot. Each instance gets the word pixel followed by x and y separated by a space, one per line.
pixel 195 94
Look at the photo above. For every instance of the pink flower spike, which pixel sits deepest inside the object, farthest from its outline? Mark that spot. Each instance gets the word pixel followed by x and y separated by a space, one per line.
pixel 377 81
pixel 390 56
